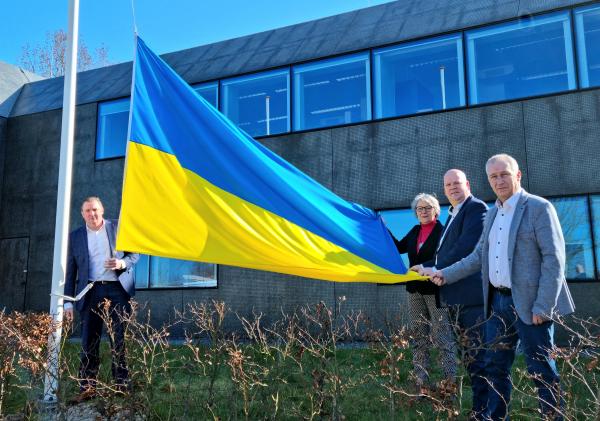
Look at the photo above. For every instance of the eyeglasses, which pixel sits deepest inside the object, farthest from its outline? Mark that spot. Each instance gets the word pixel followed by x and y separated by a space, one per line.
pixel 424 208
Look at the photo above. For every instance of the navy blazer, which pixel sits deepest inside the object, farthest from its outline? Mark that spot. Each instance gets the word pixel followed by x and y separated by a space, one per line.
pixel 409 245
pixel 460 240
pixel 78 263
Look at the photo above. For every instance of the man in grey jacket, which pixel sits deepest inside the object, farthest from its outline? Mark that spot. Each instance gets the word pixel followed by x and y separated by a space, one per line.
pixel 521 256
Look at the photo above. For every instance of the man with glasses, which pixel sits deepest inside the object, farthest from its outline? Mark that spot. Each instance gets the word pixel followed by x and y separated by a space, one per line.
pixel 464 298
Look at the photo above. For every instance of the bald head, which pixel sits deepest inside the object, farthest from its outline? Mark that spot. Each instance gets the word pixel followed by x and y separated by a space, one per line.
pixel 456 186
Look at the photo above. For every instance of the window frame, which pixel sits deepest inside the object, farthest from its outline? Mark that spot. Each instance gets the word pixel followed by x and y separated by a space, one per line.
pixel 203 85
pixel 148 274
pixel 376 67
pixel 324 63
pixel 515 25
pixel 256 76
pixel 99 105
pixel 581 45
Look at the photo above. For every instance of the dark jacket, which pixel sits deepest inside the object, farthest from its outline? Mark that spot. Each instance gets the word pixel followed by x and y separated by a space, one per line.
pixel 460 240
pixel 427 252
pixel 78 263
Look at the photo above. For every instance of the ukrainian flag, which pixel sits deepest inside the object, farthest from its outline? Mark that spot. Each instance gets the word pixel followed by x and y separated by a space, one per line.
pixel 196 187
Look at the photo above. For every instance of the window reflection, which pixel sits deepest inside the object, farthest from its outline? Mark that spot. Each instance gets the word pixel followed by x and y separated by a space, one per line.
pixel 519 59
pixel 259 103
pixel 209 91
pixel 172 273
pixel 418 77
pixel 587 21
pixel 332 92
pixel 160 272
pixel 141 270
pixel 575 222
pixel 113 120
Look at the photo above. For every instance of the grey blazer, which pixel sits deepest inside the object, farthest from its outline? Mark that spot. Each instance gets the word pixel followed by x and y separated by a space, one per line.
pixel 536 253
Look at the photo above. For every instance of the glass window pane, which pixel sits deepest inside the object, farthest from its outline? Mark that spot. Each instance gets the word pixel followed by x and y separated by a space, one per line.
pixel 519 59
pixel 400 221
pixel 141 272
pixel 181 273
pixel 419 76
pixel 587 21
pixel 596 225
pixel 259 103
pixel 209 91
pixel 113 119
pixel 332 92
pixel 575 222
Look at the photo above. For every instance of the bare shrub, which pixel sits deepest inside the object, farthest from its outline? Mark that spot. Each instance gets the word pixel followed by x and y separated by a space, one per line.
pixel 23 355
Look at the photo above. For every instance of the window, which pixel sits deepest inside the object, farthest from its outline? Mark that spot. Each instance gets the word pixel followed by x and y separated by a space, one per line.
pixel 113 121
pixel 209 91
pixel 259 103
pixel 596 224
pixel 159 272
pixel 587 22
pixel 400 221
pixel 419 77
pixel 519 59
pixel 574 219
pixel 332 92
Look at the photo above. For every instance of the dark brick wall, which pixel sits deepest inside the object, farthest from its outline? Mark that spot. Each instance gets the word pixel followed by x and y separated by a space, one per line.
pixel 380 165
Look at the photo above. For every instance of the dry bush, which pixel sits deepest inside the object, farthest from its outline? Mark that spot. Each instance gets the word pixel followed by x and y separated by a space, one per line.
pixel 297 367
pixel 23 355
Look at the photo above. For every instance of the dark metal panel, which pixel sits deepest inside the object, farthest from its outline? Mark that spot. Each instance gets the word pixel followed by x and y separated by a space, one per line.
pixel 14 253
pixel 385 164
pixel 528 7
pixel 563 143
pixel 162 306
pixel 247 291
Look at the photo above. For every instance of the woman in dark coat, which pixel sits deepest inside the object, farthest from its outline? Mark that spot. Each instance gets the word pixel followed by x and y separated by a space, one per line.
pixel 430 325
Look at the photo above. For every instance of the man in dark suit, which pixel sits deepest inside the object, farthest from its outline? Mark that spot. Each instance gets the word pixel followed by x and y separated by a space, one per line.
pixel 521 257
pixel 92 258
pixel 465 297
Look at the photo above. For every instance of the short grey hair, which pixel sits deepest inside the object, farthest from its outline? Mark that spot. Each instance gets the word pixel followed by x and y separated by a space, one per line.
pixel 92 199
pixel 502 157
pixel 427 198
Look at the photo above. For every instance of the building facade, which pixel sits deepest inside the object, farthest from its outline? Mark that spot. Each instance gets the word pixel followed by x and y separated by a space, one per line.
pixel 374 104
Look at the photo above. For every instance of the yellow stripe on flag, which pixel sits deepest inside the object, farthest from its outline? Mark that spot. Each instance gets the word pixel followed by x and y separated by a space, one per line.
pixel 162 200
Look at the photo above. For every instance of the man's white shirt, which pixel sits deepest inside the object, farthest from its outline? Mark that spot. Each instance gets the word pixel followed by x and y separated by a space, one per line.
pixel 499 267
pixel 98 252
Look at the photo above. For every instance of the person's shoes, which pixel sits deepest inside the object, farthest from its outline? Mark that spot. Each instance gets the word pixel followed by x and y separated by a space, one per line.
pixel 83 396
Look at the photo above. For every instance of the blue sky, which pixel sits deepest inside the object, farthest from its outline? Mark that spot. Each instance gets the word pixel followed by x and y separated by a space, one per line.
pixel 166 26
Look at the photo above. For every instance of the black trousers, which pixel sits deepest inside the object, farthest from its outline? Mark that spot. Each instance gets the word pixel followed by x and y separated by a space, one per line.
pixel 91 332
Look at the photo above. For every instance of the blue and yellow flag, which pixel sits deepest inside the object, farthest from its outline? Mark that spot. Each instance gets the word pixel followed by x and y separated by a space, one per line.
pixel 196 187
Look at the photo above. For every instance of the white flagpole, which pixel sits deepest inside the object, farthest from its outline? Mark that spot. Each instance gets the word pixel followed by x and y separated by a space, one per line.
pixel 63 202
